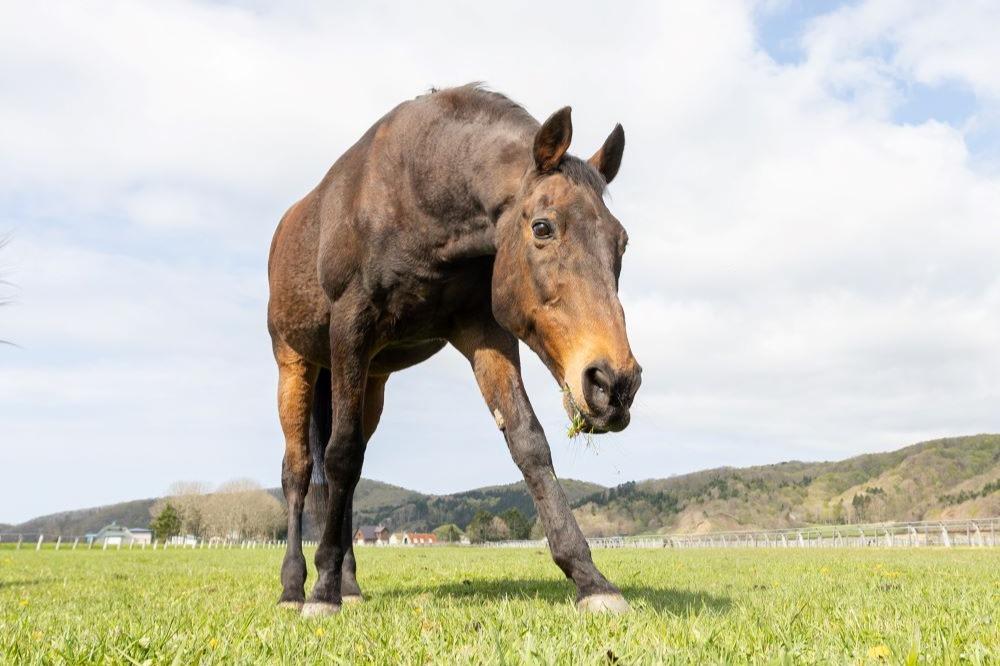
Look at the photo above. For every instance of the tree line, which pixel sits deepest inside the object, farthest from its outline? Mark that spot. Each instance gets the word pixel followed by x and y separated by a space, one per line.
pixel 238 509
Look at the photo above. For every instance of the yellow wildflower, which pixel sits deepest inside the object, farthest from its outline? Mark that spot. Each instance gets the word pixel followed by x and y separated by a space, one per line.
pixel 879 652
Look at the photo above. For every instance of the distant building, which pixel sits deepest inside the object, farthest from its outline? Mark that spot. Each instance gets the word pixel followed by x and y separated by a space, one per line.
pixel 420 538
pixel 371 535
pixel 412 539
pixel 117 535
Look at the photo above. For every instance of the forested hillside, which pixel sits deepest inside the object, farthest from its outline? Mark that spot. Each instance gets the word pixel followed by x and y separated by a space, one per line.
pixel 947 478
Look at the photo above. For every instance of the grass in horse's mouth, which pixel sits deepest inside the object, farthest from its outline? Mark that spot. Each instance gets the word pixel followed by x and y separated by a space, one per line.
pixel 577 424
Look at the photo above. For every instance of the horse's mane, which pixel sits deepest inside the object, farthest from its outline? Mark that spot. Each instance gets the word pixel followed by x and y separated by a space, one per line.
pixel 476 102
pixel 476 99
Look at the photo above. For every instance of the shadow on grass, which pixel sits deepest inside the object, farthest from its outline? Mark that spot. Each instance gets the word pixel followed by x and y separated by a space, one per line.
pixel 662 600
pixel 24 583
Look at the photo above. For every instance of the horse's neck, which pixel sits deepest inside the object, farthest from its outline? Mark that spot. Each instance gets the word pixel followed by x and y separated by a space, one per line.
pixel 492 173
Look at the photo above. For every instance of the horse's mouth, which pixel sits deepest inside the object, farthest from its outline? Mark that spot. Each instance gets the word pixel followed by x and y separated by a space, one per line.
pixel 580 423
pixel 585 422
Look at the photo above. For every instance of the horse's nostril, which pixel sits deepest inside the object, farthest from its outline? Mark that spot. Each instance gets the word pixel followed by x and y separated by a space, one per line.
pixel 597 388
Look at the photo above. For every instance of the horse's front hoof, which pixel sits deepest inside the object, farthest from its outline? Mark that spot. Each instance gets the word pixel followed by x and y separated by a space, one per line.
pixel 290 605
pixel 603 603
pixel 319 609
pixel 351 599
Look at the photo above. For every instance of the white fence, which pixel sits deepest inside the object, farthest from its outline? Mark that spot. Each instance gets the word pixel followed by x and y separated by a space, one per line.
pixel 974 532
pixel 36 541
pixel 979 532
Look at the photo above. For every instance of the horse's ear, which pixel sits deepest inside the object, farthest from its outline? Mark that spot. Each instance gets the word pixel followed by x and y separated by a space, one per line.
pixel 552 140
pixel 609 157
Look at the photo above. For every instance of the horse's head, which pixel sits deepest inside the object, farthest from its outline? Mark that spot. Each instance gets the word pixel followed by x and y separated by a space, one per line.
pixel 555 277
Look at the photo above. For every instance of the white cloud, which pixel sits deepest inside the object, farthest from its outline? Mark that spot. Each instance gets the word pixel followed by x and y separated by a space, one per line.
pixel 806 278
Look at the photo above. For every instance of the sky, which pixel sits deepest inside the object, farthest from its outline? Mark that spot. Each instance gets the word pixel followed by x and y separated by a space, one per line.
pixel 811 190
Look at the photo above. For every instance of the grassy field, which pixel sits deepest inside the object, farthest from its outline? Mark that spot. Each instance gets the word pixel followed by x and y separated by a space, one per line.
pixel 507 606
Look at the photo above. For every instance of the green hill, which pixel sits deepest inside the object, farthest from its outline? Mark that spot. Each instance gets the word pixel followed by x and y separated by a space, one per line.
pixel 374 502
pixel 946 478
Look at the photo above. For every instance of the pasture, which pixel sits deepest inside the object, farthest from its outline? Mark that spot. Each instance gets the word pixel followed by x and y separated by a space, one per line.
pixel 476 605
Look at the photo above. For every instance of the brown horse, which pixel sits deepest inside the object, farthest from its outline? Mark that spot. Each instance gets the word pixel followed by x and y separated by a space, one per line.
pixel 455 219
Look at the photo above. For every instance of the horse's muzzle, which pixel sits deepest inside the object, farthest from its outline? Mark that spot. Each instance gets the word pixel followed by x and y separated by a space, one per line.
pixel 609 395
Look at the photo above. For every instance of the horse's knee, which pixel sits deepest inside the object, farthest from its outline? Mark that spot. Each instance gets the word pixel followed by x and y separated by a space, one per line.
pixel 295 473
pixel 344 454
pixel 530 451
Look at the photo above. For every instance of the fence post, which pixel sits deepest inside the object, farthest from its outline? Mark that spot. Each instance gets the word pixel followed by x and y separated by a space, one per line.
pixel 105 546
pixel 945 539
pixel 75 542
pixel 20 538
pixel 58 541
pixel 38 546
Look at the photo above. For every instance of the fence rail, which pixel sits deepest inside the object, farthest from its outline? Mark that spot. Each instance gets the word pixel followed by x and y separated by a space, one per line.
pixel 980 532
pixel 974 532
pixel 37 541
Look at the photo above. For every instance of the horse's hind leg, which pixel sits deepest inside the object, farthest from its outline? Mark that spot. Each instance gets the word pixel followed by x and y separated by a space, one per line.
pixel 296 380
pixel 374 395
pixel 350 349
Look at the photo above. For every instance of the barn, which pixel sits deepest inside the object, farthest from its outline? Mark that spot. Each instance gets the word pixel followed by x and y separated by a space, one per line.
pixel 371 535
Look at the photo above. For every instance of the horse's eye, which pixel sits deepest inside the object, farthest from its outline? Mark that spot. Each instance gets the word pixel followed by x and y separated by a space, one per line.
pixel 542 229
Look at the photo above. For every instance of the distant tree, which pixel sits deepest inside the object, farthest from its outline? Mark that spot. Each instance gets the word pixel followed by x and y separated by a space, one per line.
pixel 481 527
pixel 241 509
pixel 166 524
pixel 860 504
pixel 838 513
pixel 448 533
pixel 498 530
pixel 517 524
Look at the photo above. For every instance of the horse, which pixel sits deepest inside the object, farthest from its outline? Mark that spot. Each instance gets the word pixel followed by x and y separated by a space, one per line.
pixel 455 219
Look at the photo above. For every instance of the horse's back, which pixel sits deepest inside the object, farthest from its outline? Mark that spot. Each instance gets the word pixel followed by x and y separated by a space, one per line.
pixel 368 217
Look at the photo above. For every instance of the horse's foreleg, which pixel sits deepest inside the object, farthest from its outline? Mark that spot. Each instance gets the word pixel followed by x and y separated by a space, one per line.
pixel 343 459
pixel 296 378
pixel 494 356
pixel 350 591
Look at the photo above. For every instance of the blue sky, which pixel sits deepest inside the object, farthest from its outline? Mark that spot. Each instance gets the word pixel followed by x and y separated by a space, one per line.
pixel 811 190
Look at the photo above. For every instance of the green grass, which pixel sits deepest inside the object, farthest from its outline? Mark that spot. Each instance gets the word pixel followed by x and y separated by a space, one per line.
pixel 507 606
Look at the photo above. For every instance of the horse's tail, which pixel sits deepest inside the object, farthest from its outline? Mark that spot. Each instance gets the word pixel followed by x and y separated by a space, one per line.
pixel 320 429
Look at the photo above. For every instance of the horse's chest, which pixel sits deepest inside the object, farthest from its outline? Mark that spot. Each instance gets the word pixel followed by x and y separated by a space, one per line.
pixel 423 304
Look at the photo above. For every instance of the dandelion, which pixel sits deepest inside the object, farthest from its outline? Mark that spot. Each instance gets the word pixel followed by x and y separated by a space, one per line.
pixel 24 602
pixel 320 632
pixel 879 652
pixel 213 643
